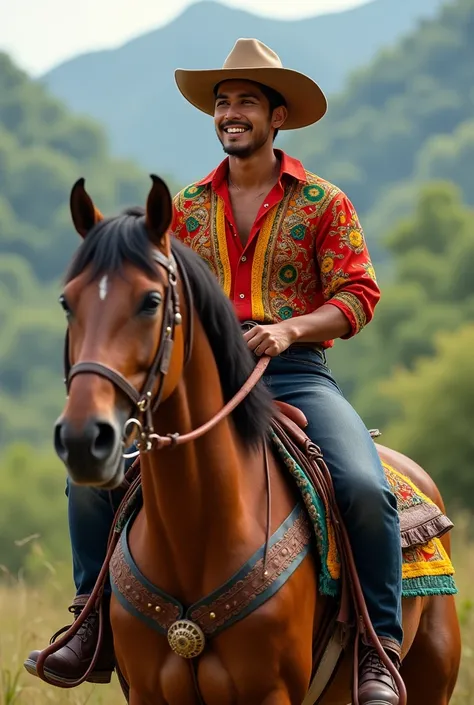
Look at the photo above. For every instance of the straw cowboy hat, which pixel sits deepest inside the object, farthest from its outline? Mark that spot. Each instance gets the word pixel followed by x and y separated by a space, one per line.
pixel 252 60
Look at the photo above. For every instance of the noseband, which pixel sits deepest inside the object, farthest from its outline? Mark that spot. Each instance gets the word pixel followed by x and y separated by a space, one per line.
pixel 143 400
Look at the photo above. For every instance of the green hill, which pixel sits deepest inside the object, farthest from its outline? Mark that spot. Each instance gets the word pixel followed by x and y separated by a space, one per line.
pixel 404 119
pixel 131 89
pixel 43 150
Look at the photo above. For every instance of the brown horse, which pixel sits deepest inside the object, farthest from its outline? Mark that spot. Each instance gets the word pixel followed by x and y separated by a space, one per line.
pixel 136 323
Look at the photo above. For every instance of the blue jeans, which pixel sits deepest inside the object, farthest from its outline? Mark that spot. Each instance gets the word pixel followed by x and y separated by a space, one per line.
pixel 299 377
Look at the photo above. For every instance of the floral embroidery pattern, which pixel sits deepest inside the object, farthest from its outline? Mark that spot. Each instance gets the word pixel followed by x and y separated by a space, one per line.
pixel 310 250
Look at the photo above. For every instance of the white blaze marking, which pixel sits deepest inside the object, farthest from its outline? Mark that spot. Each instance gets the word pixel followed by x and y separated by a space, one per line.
pixel 103 287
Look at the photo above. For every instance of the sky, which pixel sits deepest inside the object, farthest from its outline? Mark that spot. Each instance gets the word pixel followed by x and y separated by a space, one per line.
pixel 38 34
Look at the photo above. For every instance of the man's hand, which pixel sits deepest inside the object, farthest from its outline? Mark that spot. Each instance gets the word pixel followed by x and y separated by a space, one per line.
pixel 269 340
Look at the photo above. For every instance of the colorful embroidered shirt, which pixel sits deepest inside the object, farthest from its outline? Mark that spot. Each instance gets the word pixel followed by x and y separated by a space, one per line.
pixel 306 247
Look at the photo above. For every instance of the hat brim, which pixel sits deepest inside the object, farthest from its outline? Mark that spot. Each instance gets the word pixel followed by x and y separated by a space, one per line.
pixel 305 101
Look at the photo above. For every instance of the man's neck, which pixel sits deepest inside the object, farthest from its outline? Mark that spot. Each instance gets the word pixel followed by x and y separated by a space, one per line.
pixel 254 171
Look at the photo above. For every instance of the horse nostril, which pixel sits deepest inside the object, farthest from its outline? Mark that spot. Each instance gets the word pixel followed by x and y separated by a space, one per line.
pixel 58 441
pixel 103 443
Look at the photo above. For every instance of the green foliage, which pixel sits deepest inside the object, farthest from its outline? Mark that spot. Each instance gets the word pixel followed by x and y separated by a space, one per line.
pixel 43 151
pixel 436 402
pixel 36 513
pixel 404 119
pixel 410 370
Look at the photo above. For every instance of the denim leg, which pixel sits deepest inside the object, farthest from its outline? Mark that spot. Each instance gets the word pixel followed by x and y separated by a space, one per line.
pixel 90 514
pixel 368 506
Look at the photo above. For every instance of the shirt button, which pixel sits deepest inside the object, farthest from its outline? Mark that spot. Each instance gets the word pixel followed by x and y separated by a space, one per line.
pixel 265 205
pixel 242 296
pixel 243 258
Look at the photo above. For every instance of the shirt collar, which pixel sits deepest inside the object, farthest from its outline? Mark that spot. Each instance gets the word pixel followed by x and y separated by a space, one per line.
pixel 289 165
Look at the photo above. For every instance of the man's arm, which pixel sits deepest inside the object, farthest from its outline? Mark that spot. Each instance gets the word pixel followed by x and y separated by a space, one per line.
pixel 347 276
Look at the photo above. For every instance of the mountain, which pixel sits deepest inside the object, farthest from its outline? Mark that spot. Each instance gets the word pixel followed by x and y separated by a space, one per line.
pixel 131 90
pixel 406 118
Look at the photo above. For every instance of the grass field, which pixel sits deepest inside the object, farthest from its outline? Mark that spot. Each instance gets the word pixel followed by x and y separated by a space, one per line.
pixel 29 616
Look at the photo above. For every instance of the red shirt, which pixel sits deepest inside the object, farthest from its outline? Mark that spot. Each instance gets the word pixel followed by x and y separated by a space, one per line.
pixel 306 247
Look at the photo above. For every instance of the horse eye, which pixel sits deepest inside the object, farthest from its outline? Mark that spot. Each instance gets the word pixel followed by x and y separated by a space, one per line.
pixel 151 302
pixel 64 304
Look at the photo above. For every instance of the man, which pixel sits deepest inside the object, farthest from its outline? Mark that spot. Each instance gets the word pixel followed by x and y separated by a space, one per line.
pixel 288 250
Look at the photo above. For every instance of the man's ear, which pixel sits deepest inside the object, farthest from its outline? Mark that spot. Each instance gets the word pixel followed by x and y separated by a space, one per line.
pixel 280 115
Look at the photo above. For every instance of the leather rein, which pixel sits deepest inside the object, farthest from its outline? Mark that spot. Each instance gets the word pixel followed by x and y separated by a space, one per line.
pixel 147 400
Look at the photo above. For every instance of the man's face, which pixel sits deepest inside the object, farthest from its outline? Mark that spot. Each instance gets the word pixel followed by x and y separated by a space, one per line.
pixel 243 119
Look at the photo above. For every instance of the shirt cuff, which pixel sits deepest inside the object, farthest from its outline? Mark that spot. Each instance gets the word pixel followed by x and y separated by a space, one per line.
pixel 353 310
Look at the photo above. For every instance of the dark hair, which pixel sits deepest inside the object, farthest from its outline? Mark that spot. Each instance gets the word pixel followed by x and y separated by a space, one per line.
pixel 275 99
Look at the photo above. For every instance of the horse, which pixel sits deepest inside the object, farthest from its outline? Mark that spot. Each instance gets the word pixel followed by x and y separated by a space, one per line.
pixel 150 332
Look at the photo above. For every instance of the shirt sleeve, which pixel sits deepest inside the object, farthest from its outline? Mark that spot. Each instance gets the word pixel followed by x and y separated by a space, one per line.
pixel 178 227
pixel 347 274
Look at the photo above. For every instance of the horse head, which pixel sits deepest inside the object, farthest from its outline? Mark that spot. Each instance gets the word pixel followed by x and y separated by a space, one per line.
pixel 124 347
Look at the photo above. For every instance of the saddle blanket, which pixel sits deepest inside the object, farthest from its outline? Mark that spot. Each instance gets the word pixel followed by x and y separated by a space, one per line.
pixel 426 567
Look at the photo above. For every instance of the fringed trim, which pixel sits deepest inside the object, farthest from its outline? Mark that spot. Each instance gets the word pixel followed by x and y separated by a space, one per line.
pixel 429 585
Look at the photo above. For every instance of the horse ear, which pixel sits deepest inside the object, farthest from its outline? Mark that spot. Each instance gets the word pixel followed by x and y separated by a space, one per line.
pixel 159 209
pixel 84 214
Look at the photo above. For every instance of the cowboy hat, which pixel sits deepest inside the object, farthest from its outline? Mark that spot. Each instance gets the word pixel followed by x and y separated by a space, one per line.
pixel 252 60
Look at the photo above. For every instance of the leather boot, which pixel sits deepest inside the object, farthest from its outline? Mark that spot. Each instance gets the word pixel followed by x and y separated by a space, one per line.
pixel 72 660
pixel 376 684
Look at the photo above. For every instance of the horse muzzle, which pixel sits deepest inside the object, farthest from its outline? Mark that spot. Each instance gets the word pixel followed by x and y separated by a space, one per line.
pixel 91 453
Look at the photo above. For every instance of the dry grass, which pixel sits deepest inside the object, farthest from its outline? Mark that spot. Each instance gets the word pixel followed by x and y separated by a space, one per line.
pixel 29 616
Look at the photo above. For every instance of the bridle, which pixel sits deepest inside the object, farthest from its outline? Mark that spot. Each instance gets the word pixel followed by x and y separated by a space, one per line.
pixel 143 401
pixel 147 400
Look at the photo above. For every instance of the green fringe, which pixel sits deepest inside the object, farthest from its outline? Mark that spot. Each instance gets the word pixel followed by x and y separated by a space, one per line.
pixel 429 585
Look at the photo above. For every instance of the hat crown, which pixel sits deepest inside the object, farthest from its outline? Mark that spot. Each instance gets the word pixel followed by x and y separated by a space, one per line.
pixel 251 54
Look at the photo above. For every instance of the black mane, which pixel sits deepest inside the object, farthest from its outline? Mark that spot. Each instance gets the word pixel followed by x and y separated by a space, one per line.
pixel 124 238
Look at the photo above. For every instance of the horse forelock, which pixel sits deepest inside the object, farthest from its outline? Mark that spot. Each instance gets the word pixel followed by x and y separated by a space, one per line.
pixel 111 243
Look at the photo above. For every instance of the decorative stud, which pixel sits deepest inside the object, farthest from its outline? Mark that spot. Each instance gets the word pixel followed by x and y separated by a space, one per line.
pixel 212 615
pixel 178 319
pixel 150 605
pixel 186 638
pixel 157 608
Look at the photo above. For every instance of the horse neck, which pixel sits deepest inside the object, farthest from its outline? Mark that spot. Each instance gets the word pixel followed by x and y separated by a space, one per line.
pixel 200 498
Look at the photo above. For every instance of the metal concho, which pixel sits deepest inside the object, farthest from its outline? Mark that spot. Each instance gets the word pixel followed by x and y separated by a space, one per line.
pixel 186 638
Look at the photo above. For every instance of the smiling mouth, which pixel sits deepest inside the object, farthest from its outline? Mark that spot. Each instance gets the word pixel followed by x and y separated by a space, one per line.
pixel 235 130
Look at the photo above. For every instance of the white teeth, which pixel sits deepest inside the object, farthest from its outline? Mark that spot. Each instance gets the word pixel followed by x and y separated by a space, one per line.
pixel 232 130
